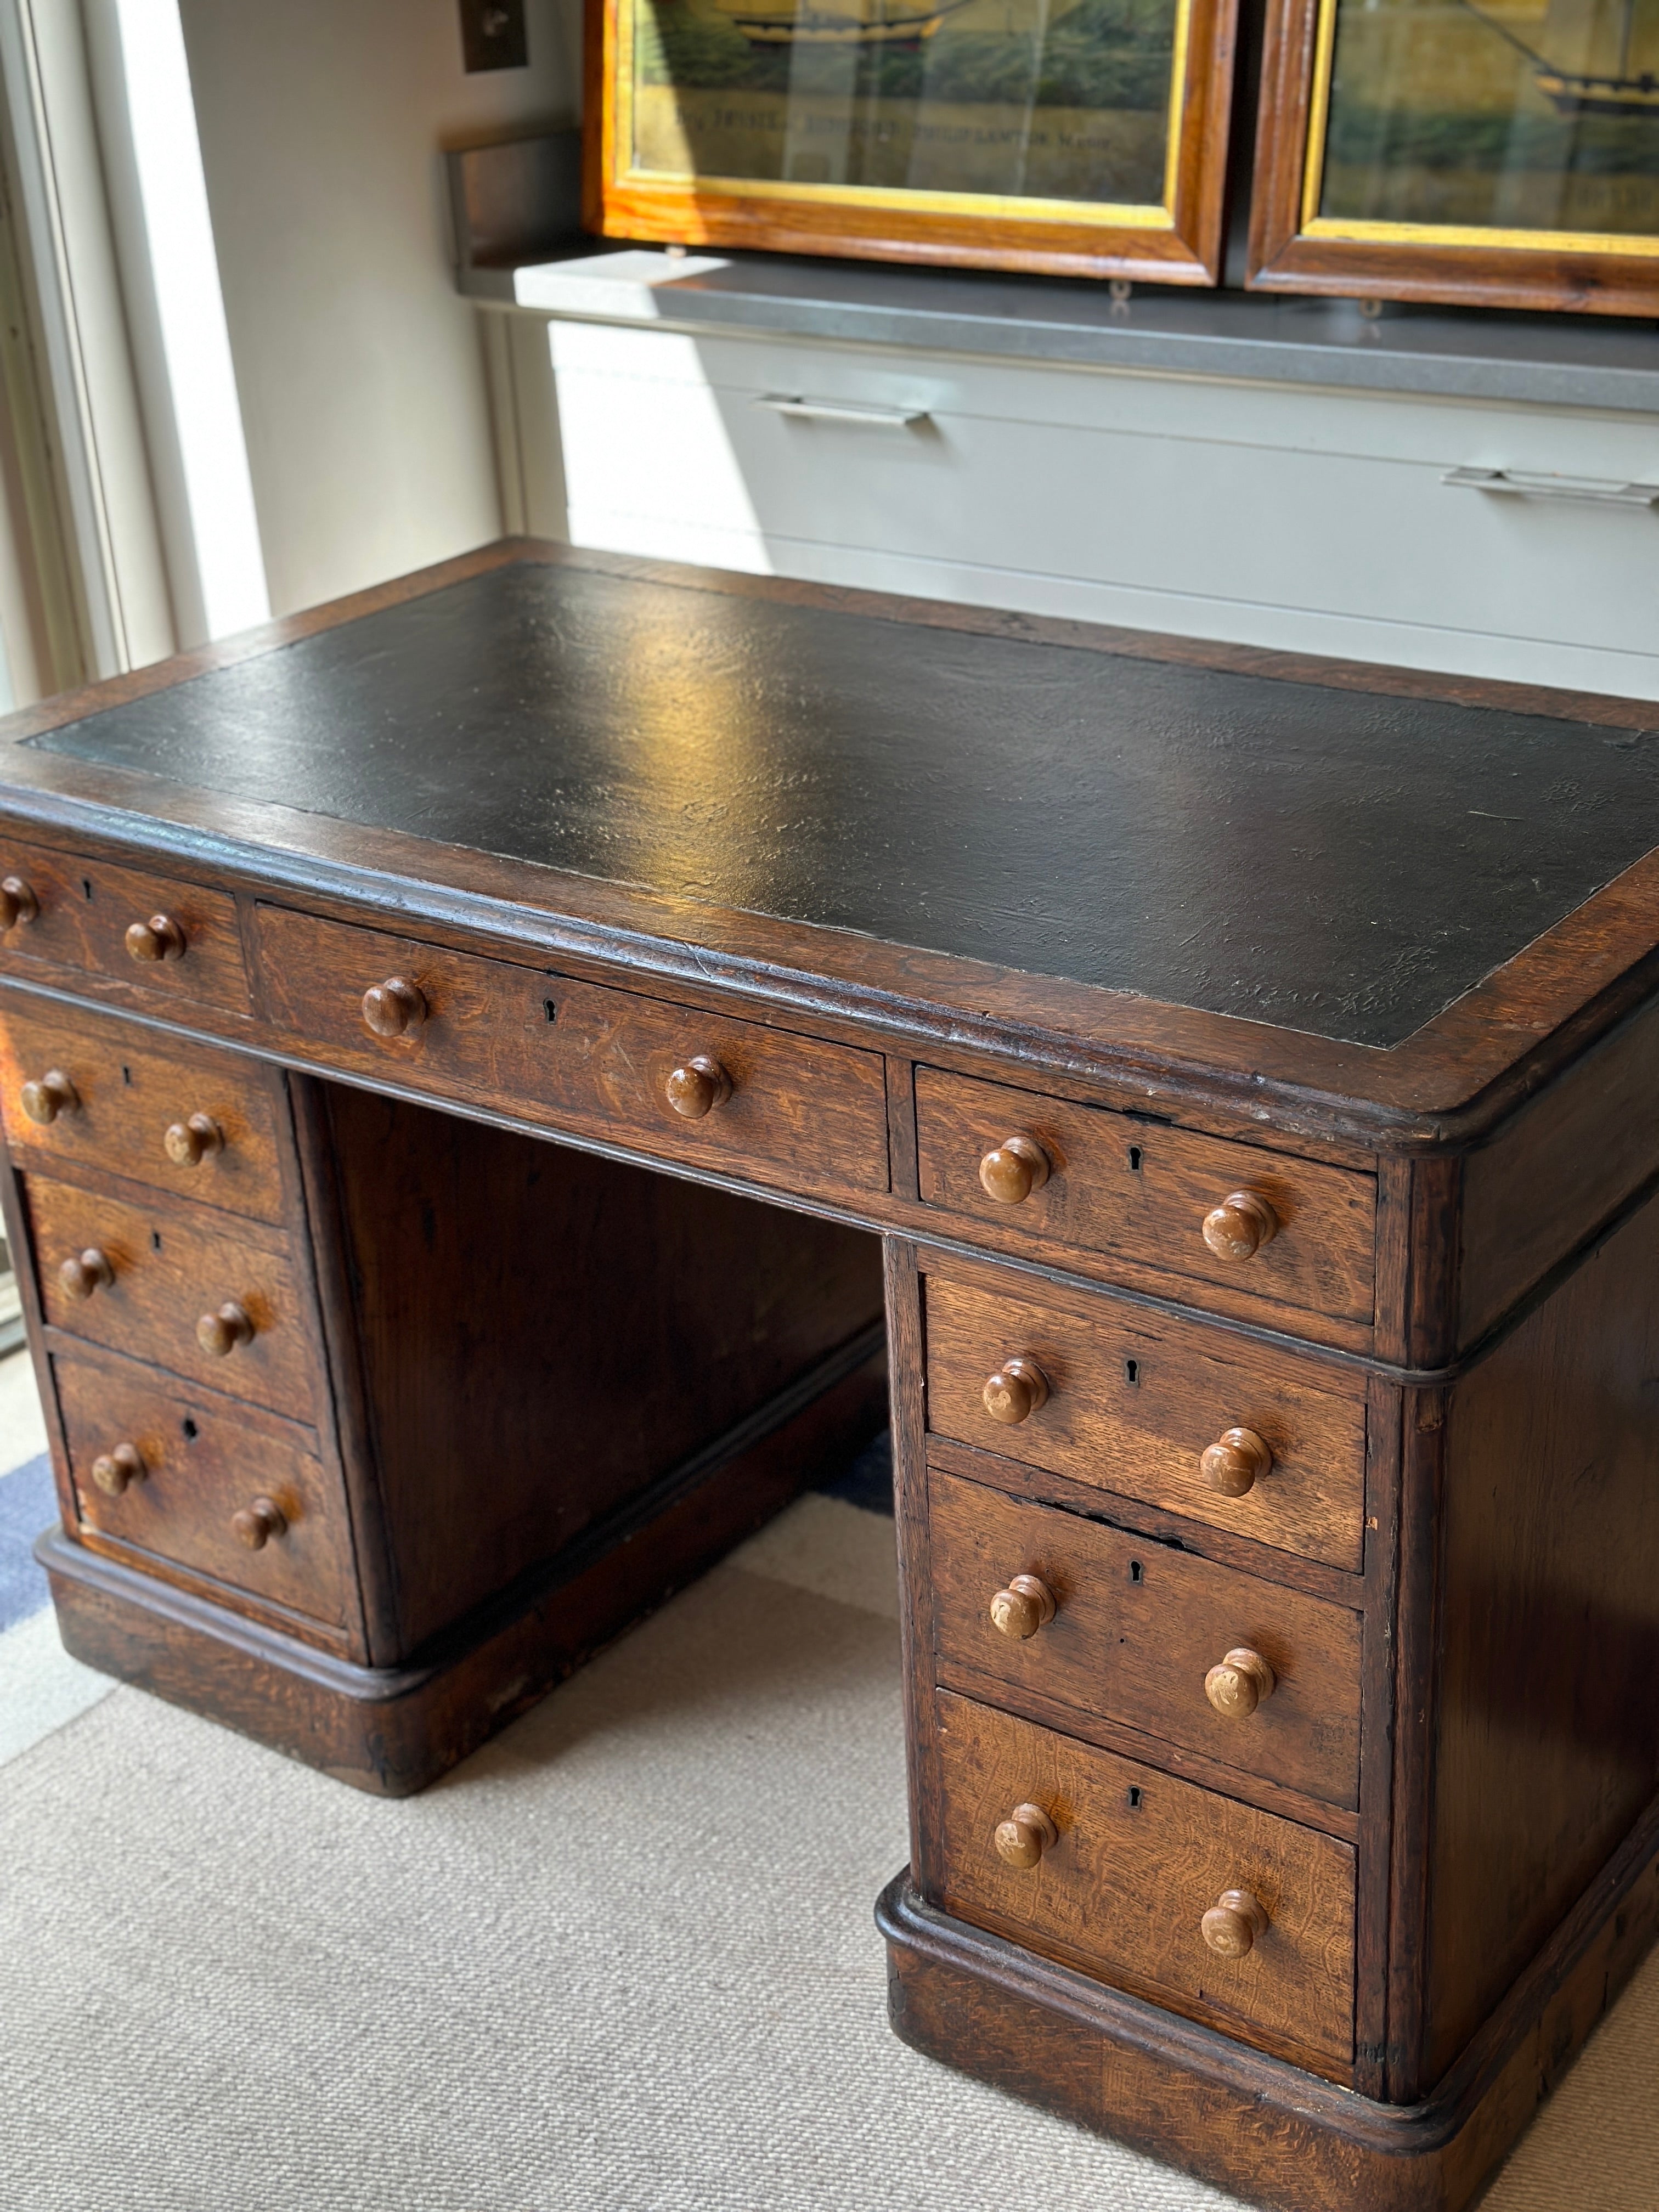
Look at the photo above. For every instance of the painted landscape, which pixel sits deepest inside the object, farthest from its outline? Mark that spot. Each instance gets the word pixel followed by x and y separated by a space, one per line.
pixel 1528 117
pixel 1007 97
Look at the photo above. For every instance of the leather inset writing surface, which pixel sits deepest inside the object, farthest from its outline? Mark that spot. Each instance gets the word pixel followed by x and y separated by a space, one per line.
pixel 1336 861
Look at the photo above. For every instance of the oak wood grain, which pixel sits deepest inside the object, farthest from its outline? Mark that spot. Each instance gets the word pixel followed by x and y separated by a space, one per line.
pixel 174 1263
pixel 87 907
pixel 1547 1731
pixel 131 1089
pixel 1132 1405
pixel 799 1109
pixel 1124 1890
pixel 1136 1629
pixel 1124 1186
pixel 205 1458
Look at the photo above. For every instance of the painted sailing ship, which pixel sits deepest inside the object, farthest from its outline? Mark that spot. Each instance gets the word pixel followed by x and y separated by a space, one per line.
pixel 900 23
pixel 1575 92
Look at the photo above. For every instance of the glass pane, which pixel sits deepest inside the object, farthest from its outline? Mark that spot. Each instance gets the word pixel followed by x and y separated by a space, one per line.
pixel 1018 98
pixel 1540 116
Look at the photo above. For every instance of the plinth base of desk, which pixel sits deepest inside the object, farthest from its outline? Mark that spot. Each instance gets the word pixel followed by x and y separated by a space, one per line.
pixel 1262 2128
pixel 391 1730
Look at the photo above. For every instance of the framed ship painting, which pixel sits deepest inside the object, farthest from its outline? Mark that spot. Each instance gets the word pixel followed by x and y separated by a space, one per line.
pixel 1084 137
pixel 1504 153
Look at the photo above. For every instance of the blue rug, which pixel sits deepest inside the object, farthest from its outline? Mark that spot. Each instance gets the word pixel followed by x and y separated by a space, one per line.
pixel 869 1481
pixel 28 1503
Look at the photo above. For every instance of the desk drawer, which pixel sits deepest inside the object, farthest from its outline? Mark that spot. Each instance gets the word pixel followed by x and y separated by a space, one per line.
pixel 84 912
pixel 170 1471
pixel 1139 1859
pixel 798 1112
pixel 1134 1401
pixel 206 1125
pixel 170 1268
pixel 1132 1191
pixel 1135 1631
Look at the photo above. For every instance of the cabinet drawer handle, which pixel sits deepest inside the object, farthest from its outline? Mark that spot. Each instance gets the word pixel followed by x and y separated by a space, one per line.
pixel 1239 1227
pixel 697 1086
pixel 222 1331
pixel 51 1095
pixel 258 1523
pixel 395 1007
pixel 1236 1461
pixel 161 937
pixel 116 1471
pixel 1241 1682
pixel 83 1273
pixel 1025 1605
pixel 1024 1836
pixel 17 903
pixel 841 410
pixel 1017 1168
pixel 1016 1391
pixel 187 1143
pixel 1597 491
pixel 1234 1924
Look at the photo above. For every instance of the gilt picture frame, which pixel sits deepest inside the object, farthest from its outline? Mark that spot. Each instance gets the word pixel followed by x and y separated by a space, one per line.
pixel 1461 152
pixel 1074 138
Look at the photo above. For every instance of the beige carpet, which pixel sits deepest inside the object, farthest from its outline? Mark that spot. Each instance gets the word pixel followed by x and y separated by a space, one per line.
pixel 622 1958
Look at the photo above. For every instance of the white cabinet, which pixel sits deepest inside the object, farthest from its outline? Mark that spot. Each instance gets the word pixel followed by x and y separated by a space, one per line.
pixel 1288 516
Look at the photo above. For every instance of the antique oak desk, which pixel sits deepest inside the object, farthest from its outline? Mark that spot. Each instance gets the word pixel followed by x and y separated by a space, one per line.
pixel 1249 1070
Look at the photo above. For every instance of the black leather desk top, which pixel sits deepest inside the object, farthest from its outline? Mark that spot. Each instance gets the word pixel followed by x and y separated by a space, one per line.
pixel 1328 860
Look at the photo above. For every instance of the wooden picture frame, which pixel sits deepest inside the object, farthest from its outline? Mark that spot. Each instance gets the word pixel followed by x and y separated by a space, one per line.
pixel 1176 239
pixel 1295 245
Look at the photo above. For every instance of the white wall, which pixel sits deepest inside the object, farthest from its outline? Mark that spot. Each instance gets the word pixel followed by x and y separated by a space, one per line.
pixel 361 371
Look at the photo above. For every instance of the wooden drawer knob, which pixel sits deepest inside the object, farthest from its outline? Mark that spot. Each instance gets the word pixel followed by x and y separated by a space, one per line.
pixel 221 1333
pixel 115 1470
pixel 1239 1684
pixel 1236 1461
pixel 395 1007
pixel 697 1087
pixel 187 1143
pixel 1239 1227
pixel 83 1273
pixel 1014 1393
pixel 161 937
pixel 1024 1607
pixel 1024 1836
pixel 1234 1924
pixel 51 1095
pixel 17 903
pixel 256 1523
pixel 1017 1168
